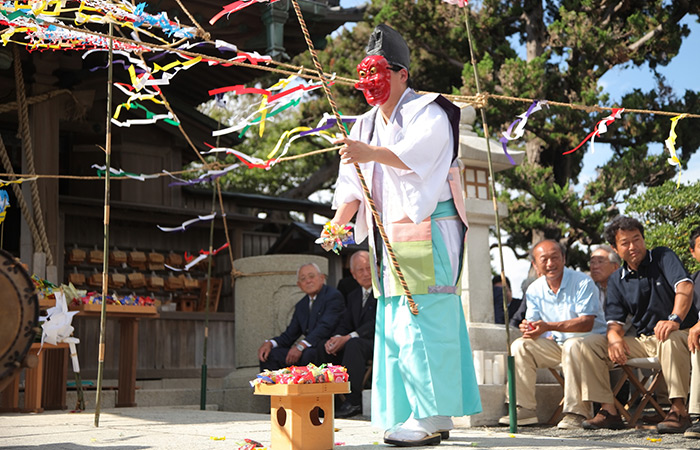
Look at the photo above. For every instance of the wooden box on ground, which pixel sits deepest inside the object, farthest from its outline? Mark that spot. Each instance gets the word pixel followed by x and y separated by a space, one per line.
pixel 294 416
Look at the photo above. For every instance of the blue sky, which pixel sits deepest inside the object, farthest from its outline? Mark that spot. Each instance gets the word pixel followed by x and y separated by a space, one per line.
pixel 680 74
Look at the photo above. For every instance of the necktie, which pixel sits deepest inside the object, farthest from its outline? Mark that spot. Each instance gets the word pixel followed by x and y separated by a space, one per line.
pixel 365 296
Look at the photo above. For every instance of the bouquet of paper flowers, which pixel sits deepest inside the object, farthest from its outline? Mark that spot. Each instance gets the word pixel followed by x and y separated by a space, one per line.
pixel 45 289
pixel 93 298
pixel 326 373
pixel 335 237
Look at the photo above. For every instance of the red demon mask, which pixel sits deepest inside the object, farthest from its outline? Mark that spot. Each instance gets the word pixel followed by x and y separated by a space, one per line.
pixel 375 79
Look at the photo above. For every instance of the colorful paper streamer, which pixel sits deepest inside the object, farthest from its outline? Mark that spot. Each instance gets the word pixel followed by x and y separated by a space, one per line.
pixel 520 129
pixel 234 7
pixel 600 128
pixel 4 204
pixel 671 145
pixel 186 224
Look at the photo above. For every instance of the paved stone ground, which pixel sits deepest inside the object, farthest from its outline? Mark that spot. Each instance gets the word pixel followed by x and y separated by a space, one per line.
pixel 191 429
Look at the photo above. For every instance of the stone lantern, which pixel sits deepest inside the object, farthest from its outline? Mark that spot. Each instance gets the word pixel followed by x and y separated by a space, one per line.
pixel 477 294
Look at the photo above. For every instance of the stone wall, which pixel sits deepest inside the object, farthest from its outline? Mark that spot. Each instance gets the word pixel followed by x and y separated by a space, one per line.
pixel 265 303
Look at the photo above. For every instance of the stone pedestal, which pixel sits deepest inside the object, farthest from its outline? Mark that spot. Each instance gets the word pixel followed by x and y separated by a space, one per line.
pixel 264 304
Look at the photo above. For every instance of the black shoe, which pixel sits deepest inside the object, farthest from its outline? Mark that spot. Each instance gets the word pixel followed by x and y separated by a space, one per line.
pixel 347 409
pixel 693 432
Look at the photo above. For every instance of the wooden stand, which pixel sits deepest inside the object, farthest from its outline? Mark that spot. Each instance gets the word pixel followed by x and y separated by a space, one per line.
pixel 128 346
pixel 44 384
pixel 294 415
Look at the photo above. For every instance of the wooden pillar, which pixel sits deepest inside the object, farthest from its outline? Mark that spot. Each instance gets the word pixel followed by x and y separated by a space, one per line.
pixel 128 358
pixel 10 396
pixel 55 376
pixel 33 382
pixel 44 129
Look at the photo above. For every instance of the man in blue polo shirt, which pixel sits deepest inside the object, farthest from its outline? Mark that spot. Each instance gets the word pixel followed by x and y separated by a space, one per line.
pixel 563 303
pixel 653 287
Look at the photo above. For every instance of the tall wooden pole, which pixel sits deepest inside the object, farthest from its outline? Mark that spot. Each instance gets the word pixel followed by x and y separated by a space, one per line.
pixel 105 246
pixel 203 392
pixel 511 362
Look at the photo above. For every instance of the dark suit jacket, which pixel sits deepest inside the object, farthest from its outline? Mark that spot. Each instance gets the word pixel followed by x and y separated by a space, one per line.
pixel 316 325
pixel 357 318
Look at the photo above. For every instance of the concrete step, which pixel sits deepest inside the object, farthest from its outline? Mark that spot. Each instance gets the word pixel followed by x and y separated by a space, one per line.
pixel 149 397
pixel 493 403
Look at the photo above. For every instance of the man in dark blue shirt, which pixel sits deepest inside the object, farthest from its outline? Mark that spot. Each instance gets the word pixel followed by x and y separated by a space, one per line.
pixel 498 291
pixel 694 342
pixel 653 287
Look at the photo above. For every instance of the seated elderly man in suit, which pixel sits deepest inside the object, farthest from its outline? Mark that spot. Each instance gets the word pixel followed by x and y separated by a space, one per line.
pixel 353 341
pixel 315 317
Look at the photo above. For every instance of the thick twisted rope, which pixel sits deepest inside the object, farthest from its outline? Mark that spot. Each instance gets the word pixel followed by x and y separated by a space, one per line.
pixel 375 214
pixel 5 158
pixel 201 32
pixel 23 113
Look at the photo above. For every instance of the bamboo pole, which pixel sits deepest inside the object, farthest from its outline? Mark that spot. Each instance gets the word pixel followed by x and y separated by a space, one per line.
pixel 105 245
pixel 511 364
pixel 203 392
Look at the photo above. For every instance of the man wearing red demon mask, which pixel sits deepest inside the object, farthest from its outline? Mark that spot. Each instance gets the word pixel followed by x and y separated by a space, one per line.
pixel 406 147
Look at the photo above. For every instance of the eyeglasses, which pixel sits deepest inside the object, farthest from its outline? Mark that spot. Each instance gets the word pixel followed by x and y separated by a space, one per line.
pixel 310 276
pixel 599 261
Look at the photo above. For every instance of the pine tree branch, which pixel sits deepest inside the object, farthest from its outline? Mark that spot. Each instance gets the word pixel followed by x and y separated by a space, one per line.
pixel 316 181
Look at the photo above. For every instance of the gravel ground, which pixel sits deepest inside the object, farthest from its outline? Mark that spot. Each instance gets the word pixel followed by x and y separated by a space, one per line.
pixel 641 437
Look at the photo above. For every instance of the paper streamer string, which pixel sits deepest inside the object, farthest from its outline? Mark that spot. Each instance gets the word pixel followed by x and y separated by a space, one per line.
pixel 600 128
pixel 328 121
pixel 4 204
pixel 151 117
pixel 270 103
pixel 207 177
pixel 460 3
pixel 4 183
pixel 35 20
pixel 234 7
pixel 57 325
pixel 520 129
pixel 249 161
pixel 671 145
pixel 185 225
pixel 57 328
pixel 192 261
pixel 121 173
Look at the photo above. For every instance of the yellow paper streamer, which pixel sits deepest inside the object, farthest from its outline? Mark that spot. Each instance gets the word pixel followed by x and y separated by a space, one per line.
pixel 281 84
pixel 671 145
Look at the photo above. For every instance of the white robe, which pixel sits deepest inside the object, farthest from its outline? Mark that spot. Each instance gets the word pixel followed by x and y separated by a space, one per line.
pixel 399 193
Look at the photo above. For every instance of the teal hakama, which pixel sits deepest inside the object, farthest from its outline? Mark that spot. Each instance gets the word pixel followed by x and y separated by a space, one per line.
pixel 423 363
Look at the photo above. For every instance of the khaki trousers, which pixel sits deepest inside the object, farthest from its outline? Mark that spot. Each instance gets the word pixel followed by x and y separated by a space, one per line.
pixel 673 355
pixel 541 353
pixel 694 403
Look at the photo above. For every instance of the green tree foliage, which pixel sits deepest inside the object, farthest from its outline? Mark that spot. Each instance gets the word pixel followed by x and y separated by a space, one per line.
pixel 669 215
pixel 569 45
